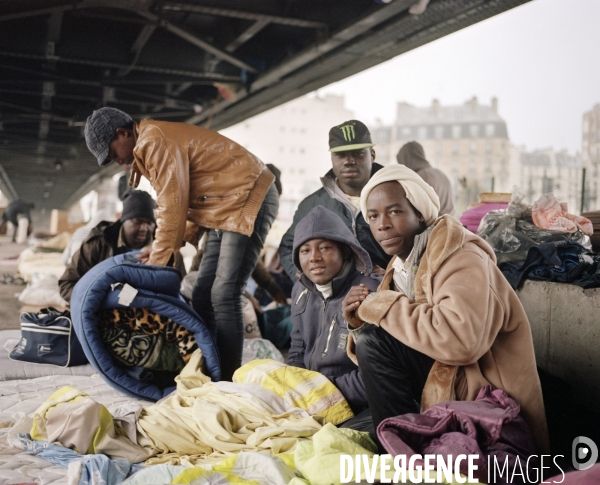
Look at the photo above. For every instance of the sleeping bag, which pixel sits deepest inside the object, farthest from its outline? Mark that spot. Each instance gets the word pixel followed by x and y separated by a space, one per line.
pixel 122 285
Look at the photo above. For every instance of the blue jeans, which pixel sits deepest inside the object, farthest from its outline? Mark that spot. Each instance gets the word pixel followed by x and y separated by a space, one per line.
pixel 228 261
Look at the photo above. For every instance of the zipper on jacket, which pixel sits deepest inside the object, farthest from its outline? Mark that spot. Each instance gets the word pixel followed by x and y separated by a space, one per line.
pixel 324 353
pixel 310 360
pixel 203 198
pixel 354 225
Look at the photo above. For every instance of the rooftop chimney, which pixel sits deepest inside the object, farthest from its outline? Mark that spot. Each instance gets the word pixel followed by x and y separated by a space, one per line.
pixel 495 104
pixel 472 103
pixel 435 106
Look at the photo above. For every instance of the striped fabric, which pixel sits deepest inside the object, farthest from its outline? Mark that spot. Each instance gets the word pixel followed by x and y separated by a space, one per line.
pixel 305 389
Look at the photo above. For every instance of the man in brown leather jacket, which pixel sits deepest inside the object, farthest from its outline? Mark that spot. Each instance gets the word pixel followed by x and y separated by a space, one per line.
pixel 203 182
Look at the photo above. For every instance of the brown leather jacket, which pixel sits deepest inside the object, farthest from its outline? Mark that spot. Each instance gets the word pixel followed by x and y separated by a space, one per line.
pixel 202 180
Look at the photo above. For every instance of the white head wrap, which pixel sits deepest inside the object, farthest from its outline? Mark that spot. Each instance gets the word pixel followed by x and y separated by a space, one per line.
pixel 418 192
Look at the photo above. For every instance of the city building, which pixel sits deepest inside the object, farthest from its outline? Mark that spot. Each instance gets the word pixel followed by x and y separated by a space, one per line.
pixel 295 138
pixel 548 170
pixel 468 142
pixel 590 156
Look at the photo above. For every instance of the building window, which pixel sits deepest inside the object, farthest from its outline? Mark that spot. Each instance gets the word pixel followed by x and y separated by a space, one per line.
pixel 454 165
pixel 488 165
pixel 455 148
pixel 488 147
pixel 404 132
pixel 472 166
pixel 489 129
pixel 422 132
pixel 439 131
pixel 474 130
pixel 473 147
pixel 456 131
pixel 438 148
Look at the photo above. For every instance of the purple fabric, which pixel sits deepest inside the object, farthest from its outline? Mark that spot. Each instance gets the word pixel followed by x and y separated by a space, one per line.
pixel 472 217
pixel 489 426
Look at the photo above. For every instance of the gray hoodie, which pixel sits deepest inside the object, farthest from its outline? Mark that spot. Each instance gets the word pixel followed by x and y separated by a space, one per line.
pixel 319 331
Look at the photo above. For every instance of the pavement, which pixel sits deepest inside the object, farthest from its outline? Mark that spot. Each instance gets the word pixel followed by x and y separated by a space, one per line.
pixel 10 306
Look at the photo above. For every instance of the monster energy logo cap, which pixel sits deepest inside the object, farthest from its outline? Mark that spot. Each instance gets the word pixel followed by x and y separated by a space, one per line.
pixel 351 135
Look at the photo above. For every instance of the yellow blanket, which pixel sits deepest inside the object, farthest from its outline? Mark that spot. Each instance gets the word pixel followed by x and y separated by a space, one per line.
pixel 204 422
pixel 302 388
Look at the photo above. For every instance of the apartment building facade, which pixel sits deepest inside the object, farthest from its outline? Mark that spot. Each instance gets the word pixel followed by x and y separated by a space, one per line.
pixel 468 142
pixel 590 156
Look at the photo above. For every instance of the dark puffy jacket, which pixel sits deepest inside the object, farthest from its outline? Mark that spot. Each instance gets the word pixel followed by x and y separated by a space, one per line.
pixel 354 221
pixel 319 332
pixel 101 244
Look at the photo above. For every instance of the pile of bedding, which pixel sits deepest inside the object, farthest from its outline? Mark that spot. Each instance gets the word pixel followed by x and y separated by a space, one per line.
pixel 274 426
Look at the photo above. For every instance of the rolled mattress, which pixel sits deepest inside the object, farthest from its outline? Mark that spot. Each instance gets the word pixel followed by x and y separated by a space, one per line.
pixel 157 289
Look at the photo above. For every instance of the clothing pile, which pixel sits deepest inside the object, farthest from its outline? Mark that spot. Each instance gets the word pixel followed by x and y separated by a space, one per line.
pixel 541 242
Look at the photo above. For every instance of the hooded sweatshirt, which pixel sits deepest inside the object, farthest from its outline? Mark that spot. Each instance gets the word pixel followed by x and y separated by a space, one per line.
pixel 413 156
pixel 319 331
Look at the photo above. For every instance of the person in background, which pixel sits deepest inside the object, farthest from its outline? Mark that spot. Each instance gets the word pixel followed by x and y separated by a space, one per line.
pixel 134 230
pixel 412 155
pixel 352 159
pixel 16 210
pixel 204 182
pixel 331 261
pixel 444 321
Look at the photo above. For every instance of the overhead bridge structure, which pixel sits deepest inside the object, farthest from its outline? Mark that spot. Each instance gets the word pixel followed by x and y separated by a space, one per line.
pixel 208 62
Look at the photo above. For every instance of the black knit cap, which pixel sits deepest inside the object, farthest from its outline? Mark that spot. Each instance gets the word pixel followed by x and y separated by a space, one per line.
pixel 350 135
pixel 138 204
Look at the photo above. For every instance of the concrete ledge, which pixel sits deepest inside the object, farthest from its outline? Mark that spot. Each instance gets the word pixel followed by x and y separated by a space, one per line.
pixel 565 322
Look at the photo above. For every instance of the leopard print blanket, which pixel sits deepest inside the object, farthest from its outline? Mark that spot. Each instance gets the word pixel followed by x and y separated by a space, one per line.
pixel 144 329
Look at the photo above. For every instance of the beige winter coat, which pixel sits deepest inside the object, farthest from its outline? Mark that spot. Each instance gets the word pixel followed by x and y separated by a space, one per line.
pixel 468 318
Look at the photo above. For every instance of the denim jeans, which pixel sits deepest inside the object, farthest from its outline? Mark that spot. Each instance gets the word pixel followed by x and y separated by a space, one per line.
pixel 228 261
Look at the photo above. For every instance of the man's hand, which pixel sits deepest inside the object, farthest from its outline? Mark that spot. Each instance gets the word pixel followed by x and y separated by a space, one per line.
pixel 353 299
pixel 144 256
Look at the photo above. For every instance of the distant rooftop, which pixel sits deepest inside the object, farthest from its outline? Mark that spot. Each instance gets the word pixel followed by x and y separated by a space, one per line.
pixel 470 111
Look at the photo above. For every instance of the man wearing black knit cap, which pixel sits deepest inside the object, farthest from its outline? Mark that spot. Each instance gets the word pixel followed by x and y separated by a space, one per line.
pixel 134 230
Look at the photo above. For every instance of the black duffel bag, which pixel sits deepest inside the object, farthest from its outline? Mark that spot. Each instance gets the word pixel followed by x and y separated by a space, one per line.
pixel 47 337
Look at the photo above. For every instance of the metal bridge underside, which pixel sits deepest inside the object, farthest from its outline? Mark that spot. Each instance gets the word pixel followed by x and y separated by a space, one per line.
pixel 208 62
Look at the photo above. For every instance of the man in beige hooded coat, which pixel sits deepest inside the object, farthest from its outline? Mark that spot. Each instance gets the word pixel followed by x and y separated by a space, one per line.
pixel 444 321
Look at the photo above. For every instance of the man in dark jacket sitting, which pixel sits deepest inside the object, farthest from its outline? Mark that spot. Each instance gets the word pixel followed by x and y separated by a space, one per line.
pixel 134 230
pixel 331 261
pixel 352 157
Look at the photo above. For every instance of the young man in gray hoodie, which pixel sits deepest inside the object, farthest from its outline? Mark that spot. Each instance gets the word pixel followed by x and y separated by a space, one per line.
pixel 331 261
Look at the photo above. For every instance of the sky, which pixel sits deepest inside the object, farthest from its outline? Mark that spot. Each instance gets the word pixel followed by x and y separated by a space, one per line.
pixel 541 60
